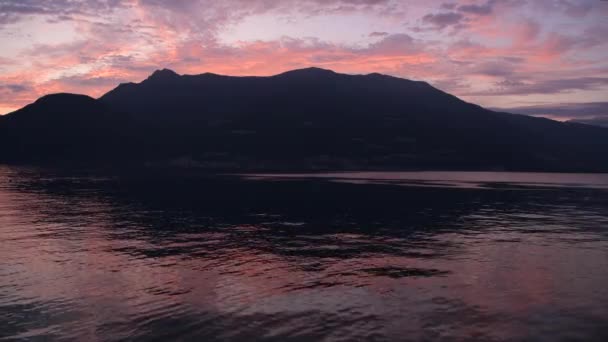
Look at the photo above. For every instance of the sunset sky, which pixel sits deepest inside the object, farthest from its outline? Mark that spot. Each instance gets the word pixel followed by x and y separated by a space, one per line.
pixel 548 54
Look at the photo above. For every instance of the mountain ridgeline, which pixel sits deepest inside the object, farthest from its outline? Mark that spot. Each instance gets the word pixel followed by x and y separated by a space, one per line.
pixel 299 120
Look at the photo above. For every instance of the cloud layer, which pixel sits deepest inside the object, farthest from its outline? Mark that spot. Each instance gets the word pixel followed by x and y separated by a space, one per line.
pixel 566 111
pixel 495 52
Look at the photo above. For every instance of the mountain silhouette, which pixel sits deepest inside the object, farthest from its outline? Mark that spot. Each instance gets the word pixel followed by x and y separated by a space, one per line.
pixel 598 121
pixel 301 119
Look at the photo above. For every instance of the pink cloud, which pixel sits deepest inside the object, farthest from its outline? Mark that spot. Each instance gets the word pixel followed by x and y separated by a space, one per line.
pixel 464 46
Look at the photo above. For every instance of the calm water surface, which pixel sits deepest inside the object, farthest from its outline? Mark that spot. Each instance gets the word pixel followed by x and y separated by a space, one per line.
pixel 334 257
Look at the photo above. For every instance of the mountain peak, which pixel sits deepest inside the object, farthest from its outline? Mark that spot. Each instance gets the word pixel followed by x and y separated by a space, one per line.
pixel 163 74
pixel 379 75
pixel 60 102
pixel 312 71
pixel 61 98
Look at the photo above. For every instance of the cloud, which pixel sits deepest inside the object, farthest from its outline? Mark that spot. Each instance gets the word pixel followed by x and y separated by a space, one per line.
pixel 443 20
pixel 206 15
pixel 88 81
pixel 565 110
pixel 577 9
pixel 504 48
pixel 485 9
pixel 110 68
pixel 227 10
pixel 14 10
pixel 526 32
pixel 378 34
pixel 6 61
pixel 395 44
pixel 13 95
pixel 571 8
pixel 14 88
pixel 598 121
pixel 552 86
pixel 591 113
pixel 498 68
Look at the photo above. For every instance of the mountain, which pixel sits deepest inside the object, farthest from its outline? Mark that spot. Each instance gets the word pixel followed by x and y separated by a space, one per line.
pixel 590 113
pixel 301 119
pixel 56 127
pixel 599 121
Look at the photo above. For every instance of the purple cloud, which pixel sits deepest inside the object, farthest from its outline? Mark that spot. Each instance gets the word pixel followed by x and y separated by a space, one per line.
pixel 461 46
pixel 395 44
pixel 577 9
pixel 592 113
pixel 448 6
pixel 378 34
pixel 85 81
pixel 443 20
pixel 501 68
pixel 566 110
pixel 599 121
pixel 517 87
pixel 15 88
pixel 14 10
pixel 484 9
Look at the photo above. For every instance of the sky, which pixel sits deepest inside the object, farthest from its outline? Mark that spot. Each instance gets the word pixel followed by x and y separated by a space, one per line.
pixel 545 57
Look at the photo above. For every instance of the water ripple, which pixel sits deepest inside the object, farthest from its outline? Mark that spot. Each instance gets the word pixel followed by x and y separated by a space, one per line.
pixel 218 258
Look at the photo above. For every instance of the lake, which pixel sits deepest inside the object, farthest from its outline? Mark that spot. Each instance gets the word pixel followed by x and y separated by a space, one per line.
pixel 442 256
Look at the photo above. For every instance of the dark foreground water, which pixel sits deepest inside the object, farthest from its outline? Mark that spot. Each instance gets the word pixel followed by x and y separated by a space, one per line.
pixel 347 257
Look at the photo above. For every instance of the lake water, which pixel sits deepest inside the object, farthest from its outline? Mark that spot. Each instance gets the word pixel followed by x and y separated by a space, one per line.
pixel 445 256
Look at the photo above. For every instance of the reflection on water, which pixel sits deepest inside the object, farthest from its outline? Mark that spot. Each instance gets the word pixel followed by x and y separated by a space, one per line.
pixel 446 179
pixel 222 258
